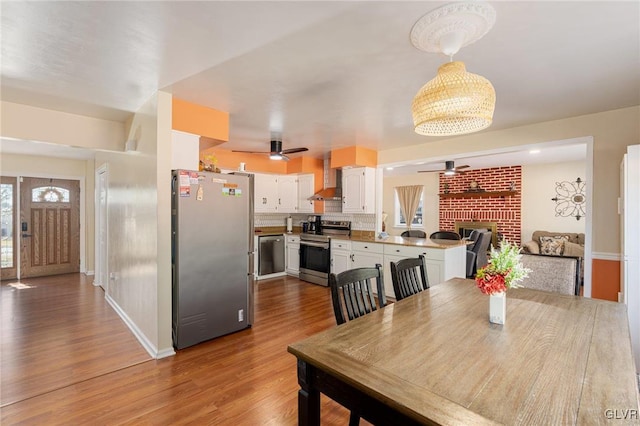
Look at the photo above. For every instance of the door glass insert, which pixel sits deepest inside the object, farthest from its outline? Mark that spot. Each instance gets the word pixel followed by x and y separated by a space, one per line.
pixel 6 207
pixel 49 194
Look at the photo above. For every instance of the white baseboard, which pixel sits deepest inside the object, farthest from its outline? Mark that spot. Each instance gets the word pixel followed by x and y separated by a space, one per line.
pixel 166 352
pixel 605 256
pixel 146 344
pixel 266 277
pixel 90 273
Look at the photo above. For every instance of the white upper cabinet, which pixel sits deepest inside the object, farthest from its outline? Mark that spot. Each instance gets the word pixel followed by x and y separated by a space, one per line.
pixel 276 193
pixel 265 193
pixel 287 194
pixel 358 190
pixel 305 191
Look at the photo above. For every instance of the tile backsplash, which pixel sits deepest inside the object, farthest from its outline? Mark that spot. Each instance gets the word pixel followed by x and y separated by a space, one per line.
pixel 359 222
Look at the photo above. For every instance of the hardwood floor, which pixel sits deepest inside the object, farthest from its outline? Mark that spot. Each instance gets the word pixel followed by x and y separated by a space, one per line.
pixel 57 331
pixel 245 378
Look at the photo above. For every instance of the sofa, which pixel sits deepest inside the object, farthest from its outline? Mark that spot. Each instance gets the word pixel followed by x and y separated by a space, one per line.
pixel 558 244
pixel 545 253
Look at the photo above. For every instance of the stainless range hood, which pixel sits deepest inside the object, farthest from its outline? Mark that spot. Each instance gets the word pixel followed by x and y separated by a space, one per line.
pixel 333 185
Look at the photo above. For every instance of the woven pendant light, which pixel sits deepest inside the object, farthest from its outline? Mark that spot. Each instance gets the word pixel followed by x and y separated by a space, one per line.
pixel 455 102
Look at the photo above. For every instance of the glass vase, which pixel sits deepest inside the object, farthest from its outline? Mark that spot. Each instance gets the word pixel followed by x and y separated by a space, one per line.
pixel 498 307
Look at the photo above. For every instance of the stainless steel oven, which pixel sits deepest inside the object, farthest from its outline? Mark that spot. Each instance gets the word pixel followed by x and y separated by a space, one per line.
pixel 315 257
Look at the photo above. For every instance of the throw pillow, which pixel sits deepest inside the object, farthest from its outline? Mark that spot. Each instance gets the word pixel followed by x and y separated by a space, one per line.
pixel 573 249
pixel 552 245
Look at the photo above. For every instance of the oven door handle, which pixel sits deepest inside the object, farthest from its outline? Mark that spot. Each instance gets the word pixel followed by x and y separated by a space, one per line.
pixel 311 244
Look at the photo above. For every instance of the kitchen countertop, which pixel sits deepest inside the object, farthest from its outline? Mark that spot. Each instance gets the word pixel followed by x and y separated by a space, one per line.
pixel 408 241
pixel 266 231
pixel 270 233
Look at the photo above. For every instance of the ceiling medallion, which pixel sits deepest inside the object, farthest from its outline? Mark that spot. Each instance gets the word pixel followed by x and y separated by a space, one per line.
pixel 472 20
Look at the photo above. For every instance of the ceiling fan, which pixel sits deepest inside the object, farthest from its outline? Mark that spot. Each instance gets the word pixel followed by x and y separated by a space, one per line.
pixel 449 169
pixel 276 153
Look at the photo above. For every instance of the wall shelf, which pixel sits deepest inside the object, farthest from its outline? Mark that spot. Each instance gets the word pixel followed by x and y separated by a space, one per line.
pixel 479 194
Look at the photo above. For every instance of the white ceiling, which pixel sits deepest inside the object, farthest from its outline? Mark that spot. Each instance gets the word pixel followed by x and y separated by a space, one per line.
pixel 546 153
pixel 323 74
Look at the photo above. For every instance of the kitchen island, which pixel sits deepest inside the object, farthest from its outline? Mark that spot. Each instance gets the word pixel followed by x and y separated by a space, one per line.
pixel 445 259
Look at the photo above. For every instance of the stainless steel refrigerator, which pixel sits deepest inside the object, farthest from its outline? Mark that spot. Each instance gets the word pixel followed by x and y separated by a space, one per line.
pixel 212 255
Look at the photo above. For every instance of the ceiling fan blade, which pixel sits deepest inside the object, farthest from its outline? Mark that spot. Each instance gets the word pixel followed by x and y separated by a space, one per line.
pixel 250 152
pixel 284 157
pixel 431 171
pixel 462 167
pixel 294 150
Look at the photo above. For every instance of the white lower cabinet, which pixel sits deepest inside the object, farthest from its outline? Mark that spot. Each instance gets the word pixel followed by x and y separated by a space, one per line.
pixel 435 259
pixel 367 255
pixel 292 257
pixel 442 264
pixel 340 252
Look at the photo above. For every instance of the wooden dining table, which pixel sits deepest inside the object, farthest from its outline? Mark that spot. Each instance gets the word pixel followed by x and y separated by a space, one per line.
pixel 434 358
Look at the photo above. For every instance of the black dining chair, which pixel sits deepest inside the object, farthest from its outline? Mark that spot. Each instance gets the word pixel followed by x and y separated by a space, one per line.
pixel 352 294
pixel 415 233
pixel 409 276
pixel 445 235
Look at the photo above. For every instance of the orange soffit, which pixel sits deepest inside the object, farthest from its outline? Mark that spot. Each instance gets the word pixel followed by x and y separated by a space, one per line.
pixel 200 120
pixel 353 156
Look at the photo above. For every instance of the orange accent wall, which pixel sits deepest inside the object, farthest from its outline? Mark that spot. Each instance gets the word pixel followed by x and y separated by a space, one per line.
pixel 229 160
pixel 605 280
pixel 354 156
pixel 308 165
pixel 200 120
pixel 253 162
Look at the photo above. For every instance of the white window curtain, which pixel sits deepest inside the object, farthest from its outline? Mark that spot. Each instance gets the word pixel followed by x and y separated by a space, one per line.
pixel 409 199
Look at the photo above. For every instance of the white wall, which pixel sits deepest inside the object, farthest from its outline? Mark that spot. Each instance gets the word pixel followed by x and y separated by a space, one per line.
pixel 133 229
pixel 538 188
pixel 430 200
pixel 26 122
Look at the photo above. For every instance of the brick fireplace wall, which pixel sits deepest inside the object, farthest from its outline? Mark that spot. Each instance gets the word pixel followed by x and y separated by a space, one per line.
pixel 504 210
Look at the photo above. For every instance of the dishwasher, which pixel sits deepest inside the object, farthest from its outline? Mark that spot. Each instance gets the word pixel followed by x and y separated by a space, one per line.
pixel 270 254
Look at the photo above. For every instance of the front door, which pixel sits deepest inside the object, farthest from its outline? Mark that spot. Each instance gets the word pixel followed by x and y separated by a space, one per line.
pixel 49 226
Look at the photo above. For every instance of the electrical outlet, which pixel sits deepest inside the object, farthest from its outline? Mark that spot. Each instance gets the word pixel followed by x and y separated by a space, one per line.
pixel 240 315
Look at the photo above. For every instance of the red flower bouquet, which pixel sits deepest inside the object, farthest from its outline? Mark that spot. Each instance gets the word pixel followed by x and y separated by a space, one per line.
pixel 503 271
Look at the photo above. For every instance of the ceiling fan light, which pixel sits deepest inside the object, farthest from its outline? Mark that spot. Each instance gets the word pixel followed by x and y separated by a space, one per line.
pixel 449 172
pixel 455 102
pixel 275 156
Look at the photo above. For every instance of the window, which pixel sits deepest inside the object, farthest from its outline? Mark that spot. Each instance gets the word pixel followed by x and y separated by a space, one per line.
pixel 49 194
pixel 399 218
pixel 6 244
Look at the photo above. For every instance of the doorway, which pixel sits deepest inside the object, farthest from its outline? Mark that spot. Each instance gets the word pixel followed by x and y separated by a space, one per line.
pixel 101 277
pixel 42 232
